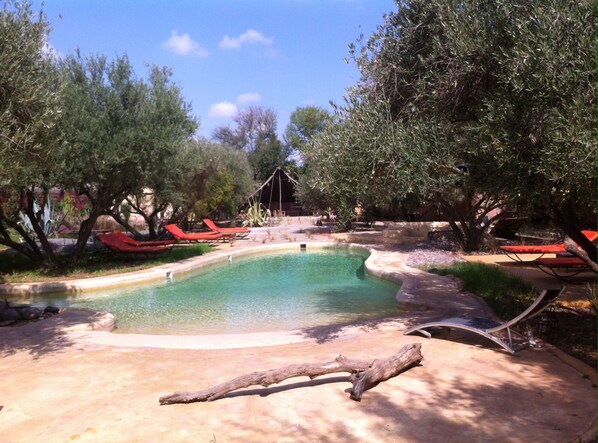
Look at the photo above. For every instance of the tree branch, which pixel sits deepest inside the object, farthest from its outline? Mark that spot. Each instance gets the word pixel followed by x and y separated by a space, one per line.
pixel 366 375
pixel 573 248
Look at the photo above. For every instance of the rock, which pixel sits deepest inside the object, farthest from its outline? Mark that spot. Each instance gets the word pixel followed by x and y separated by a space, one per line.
pixel 51 310
pixel 9 314
pixel 30 313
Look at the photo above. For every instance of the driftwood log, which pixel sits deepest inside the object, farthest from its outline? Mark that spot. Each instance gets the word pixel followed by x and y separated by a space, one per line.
pixel 365 374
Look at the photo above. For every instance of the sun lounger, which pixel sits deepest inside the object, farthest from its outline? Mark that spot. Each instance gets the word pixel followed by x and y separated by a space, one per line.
pixel 238 232
pixel 195 237
pixel 491 329
pixel 513 252
pixel 131 241
pixel 562 267
pixel 114 243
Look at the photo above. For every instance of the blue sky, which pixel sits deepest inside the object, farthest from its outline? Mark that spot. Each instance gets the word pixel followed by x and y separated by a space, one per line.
pixel 227 55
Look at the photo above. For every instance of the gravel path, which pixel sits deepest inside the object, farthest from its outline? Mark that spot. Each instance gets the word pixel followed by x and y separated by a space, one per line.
pixel 431 256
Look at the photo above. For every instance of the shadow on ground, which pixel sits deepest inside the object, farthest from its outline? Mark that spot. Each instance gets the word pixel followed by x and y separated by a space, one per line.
pixel 416 406
pixel 44 336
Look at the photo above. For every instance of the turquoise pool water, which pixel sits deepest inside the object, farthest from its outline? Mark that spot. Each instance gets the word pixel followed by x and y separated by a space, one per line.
pixel 264 293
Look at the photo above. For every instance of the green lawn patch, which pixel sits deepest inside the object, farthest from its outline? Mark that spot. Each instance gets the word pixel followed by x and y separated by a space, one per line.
pixel 507 295
pixel 16 268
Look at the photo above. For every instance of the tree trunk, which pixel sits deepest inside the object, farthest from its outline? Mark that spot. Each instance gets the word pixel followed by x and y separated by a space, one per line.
pixel 84 233
pixel 35 256
pixel 30 249
pixel 365 375
pixel 570 224
pixel 574 249
pixel 118 219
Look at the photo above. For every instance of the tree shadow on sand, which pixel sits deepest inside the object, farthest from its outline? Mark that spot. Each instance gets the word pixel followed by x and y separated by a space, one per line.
pixel 417 406
pixel 43 336
pixel 325 333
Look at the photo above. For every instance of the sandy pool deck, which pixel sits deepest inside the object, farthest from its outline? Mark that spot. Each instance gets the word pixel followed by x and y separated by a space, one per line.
pixel 63 382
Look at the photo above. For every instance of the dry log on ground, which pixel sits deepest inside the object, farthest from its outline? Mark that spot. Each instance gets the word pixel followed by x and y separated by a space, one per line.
pixel 365 375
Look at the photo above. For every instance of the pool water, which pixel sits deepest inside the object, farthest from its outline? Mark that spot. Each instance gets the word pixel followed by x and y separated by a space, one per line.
pixel 262 293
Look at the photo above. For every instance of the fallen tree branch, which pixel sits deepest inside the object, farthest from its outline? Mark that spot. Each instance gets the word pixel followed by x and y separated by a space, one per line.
pixel 365 375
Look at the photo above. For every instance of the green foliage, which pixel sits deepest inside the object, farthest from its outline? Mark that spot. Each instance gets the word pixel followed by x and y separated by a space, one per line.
pixel 218 194
pixel 255 133
pixel 251 125
pixel 484 103
pixel 125 208
pixel 257 215
pixel 29 111
pixel 304 124
pixel 268 155
pixel 122 131
pixel 15 268
pixel 29 94
pixel 540 123
pixel 220 181
pixel 508 296
pixel 357 159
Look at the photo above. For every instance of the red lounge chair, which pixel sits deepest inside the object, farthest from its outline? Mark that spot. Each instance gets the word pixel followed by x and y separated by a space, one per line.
pixel 131 241
pixel 182 236
pixel 239 232
pixel 558 248
pixel 115 244
pixel 562 267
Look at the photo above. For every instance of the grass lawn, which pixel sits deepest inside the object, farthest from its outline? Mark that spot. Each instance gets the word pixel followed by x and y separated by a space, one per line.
pixel 15 268
pixel 572 330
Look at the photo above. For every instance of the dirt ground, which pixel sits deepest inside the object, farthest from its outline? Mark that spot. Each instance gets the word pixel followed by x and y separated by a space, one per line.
pixel 61 383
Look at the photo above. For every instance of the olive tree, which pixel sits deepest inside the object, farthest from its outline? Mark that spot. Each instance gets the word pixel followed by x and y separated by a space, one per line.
pixel 29 110
pixel 304 123
pixel 491 105
pixel 220 182
pixel 119 132
pixel 539 125
pixel 255 133
pixel 352 161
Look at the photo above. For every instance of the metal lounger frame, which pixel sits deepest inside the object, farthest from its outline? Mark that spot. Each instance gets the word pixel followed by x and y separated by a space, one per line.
pixel 487 327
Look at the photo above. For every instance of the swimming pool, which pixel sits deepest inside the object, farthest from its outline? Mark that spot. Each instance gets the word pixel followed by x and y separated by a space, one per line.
pixel 282 291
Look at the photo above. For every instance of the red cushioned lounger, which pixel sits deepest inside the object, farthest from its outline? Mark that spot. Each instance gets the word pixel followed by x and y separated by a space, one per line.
pixel 183 236
pixel 562 267
pixel 513 251
pixel 131 241
pixel 115 244
pixel 240 232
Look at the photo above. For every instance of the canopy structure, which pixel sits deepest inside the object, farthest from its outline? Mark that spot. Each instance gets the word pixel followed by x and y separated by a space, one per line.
pixel 278 194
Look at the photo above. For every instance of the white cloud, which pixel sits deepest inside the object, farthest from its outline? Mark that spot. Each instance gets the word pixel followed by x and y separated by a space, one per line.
pixel 184 45
pixel 250 36
pixel 50 51
pixel 250 97
pixel 223 110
